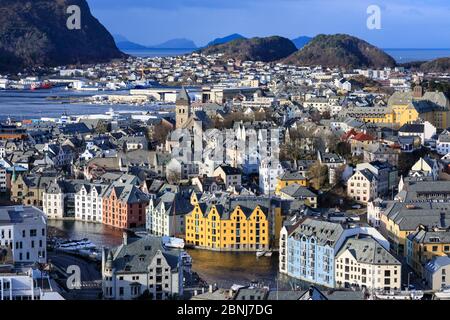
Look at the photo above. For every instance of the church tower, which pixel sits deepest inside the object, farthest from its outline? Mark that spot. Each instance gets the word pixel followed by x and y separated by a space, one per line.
pixel 183 108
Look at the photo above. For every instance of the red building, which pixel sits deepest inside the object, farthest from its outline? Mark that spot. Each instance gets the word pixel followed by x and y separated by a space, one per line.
pixel 124 206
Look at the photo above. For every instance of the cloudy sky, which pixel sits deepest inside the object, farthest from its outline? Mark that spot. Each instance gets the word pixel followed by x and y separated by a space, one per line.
pixel 404 23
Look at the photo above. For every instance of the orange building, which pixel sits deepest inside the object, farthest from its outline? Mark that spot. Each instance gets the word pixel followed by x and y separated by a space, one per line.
pixel 124 206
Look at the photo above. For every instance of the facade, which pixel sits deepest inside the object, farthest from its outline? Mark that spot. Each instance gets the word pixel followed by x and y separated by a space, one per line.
pixel 231 225
pixel 23 230
pixel 308 248
pixel 437 273
pixel 363 186
pixel 89 203
pixel 269 171
pixel 142 268
pixel 230 175
pixel 166 215
pixel 443 143
pixel 425 167
pixel 425 244
pixel 289 178
pixel 124 206
pixel 26 284
pixel 364 263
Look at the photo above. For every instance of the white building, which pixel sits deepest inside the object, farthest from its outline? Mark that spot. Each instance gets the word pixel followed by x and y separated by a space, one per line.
pixel 364 263
pixel 443 143
pixel 142 267
pixel 53 204
pixel 88 203
pixel 27 285
pixel 23 230
pixel 269 171
pixel 166 215
pixel 362 186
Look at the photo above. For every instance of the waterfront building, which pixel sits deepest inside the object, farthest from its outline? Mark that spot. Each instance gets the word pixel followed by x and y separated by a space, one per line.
pixel 239 224
pixel 89 203
pixel 124 206
pixel 311 246
pixel 166 215
pixel 23 231
pixel 142 268
pixel 364 263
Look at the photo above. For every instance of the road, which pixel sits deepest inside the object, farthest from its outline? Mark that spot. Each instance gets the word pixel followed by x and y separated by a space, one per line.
pixel 90 276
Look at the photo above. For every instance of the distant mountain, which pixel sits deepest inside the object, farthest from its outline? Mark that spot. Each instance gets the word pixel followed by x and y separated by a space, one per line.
pixel 300 42
pixel 340 50
pixel 34 33
pixel 255 49
pixel 226 39
pixel 119 38
pixel 176 44
pixel 441 65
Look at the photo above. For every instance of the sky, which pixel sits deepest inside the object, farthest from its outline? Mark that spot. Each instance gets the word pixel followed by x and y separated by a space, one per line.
pixel 404 23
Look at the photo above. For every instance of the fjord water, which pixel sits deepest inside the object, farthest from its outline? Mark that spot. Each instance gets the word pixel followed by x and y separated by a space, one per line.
pixel 26 104
pixel 409 55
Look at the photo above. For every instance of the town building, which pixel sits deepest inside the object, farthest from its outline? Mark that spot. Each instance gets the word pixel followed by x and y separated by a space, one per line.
pixel 364 263
pixel 23 231
pixel 142 267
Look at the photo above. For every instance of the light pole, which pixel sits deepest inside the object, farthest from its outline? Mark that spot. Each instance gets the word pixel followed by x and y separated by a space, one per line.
pixel 409 274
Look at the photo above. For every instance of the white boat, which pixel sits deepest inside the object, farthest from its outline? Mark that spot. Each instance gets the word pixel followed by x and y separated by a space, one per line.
pixel 444 294
pixel 171 242
pixel 268 254
pixel 74 245
pixel 260 253
pixel 403 295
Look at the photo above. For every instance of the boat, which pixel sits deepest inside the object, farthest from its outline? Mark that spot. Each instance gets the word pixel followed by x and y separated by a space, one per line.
pixel 268 254
pixel 74 245
pixel 444 294
pixel 402 295
pixel 260 253
pixel 171 242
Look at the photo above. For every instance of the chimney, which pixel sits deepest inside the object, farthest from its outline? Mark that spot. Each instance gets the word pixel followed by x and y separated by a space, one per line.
pixel 125 238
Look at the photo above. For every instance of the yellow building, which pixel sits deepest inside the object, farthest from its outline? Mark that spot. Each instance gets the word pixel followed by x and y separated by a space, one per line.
pixel 290 178
pixel 425 244
pixel 232 225
pixel 407 107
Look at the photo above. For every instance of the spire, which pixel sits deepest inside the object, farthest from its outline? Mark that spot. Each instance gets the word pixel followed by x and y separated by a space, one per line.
pixel 183 96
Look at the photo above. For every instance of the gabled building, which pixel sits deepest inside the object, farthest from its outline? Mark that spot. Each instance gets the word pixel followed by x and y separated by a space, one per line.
pixel 124 206
pixel 142 268
pixel 363 263
pixel 166 215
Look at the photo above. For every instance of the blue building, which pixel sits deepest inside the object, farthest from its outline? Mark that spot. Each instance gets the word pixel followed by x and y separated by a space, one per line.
pixel 308 248
pixel 311 251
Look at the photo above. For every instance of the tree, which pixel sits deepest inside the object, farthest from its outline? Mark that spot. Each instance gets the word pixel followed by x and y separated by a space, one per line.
pixel 318 175
pixel 159 133
pixel 174 177
pixel 344 149
pixel 102 127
